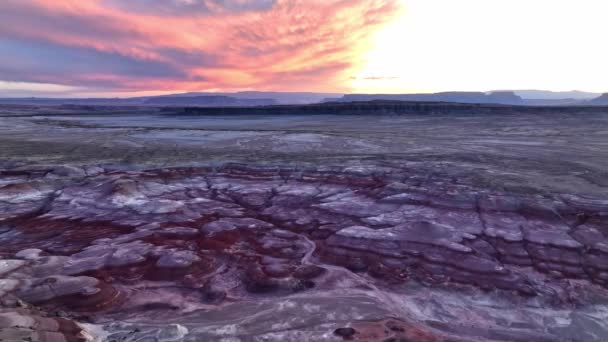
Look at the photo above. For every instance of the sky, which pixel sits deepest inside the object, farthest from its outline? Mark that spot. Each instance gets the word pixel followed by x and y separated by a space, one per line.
pixel 61 48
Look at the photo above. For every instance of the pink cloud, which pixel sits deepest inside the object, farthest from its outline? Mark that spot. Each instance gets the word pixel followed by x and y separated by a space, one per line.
pixel 281 45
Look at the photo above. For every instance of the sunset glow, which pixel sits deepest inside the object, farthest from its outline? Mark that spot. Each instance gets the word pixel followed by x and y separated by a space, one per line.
pixel 112 47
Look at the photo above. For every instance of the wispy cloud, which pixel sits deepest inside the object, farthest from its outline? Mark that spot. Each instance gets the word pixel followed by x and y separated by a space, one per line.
pixel 188 44
pixel 189 7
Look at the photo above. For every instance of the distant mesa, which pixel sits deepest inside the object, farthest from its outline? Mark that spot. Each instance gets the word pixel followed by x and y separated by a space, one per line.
pixel 555 102
pixel 208 101
pixel 496 97
pixel 540 95
pixel 504 97
pixel 600 101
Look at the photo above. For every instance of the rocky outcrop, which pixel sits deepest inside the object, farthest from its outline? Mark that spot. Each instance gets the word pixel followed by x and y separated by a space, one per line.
pixel 22 324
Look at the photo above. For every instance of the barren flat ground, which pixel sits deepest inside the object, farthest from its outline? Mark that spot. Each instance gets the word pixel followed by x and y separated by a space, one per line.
pixel 142 225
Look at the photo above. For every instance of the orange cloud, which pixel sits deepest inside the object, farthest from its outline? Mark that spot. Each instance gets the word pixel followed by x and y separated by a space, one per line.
pixel 189 45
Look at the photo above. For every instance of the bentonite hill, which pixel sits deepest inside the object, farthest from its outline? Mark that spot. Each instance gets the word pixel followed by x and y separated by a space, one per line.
pixel 146 224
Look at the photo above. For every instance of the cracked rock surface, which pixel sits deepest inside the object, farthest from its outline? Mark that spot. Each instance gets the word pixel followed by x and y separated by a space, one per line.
pixel 122 244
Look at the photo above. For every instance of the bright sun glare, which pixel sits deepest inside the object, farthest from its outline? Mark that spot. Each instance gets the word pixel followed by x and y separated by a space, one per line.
pixel 439 45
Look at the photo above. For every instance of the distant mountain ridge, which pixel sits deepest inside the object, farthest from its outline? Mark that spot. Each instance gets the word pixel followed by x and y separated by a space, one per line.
pixel 525 97
pixel 263 98
pixel 497 97
pixel 208 100
pixel 279 97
